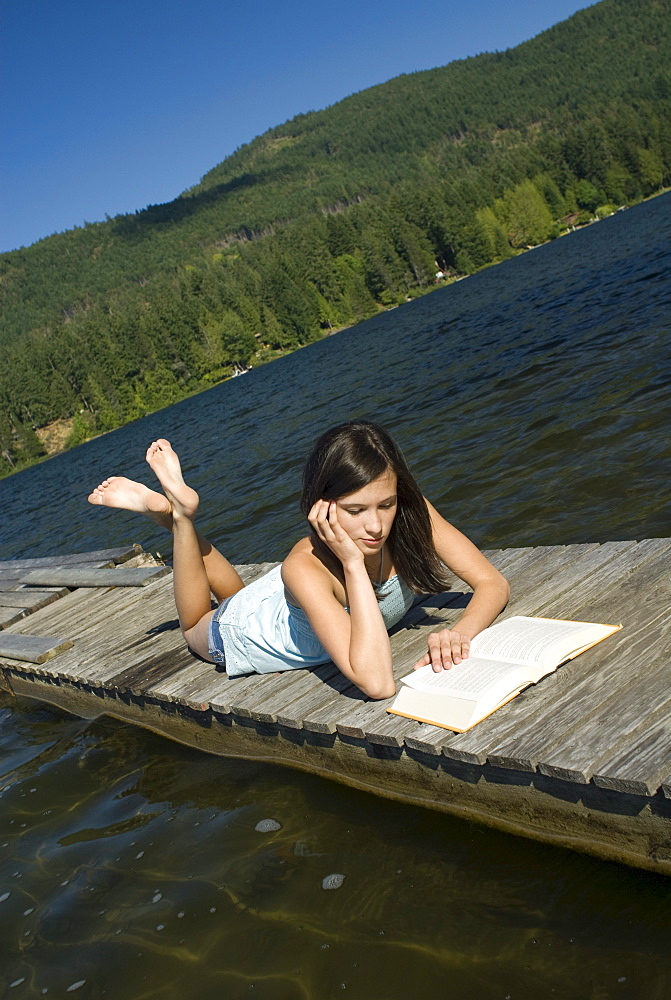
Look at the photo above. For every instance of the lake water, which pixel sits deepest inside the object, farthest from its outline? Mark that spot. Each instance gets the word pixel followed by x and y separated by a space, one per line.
pixel 533 403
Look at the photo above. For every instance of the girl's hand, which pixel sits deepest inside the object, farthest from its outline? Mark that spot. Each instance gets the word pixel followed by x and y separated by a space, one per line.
pixel 324 522
pixel 447 648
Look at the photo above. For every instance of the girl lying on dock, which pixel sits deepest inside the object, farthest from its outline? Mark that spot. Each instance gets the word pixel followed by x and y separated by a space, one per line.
pixel 375 545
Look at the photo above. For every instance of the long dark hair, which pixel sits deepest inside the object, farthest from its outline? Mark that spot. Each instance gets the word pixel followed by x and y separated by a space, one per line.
pixel 348 457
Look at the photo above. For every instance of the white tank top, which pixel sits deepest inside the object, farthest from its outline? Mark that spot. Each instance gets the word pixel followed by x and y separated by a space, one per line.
pixel 262 633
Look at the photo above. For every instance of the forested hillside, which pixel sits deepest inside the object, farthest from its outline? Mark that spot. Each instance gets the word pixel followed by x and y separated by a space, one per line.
pixel 332 216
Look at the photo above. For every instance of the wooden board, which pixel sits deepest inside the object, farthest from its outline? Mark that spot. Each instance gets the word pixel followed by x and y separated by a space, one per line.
pixel 13 579
pixel 29 599
pixel 75 576
pixel 21 603
pixel 564 701
pixel 102 556
pixel 31 648
pixel 502 734
pixel 9 616
pixel 641 765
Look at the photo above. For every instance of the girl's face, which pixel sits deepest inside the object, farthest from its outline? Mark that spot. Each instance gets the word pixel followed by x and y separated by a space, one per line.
pixel 368 514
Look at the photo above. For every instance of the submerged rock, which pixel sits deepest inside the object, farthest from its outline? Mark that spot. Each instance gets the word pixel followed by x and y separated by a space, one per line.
pixel 333 881
pixel 267 826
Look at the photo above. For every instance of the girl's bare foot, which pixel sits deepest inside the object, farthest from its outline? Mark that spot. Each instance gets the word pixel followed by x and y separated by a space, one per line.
pixel 117 491
pixel 165 464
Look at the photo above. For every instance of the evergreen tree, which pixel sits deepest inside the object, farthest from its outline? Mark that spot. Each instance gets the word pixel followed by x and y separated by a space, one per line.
pixel 525 214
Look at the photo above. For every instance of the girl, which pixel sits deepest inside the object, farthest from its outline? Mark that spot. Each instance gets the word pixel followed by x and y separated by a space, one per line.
pixel 375 544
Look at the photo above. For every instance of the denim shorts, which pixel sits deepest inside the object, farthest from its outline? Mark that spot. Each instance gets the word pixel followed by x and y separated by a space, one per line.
pixel 215 641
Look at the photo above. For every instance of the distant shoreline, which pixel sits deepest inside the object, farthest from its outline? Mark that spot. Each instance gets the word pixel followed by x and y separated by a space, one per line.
pixel 54 435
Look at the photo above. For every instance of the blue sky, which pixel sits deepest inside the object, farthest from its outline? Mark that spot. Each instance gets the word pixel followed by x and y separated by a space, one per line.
pixel 110 105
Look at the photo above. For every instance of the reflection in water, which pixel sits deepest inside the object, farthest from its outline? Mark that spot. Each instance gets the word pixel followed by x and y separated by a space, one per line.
pixel 533 402
pixel 134 865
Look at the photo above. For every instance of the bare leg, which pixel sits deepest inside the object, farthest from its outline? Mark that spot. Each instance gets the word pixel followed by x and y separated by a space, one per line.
pixel 125 494
pixel 190 583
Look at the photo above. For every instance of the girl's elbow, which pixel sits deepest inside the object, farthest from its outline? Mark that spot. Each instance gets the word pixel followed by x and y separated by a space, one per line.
pixel 498 587
pixel 378 690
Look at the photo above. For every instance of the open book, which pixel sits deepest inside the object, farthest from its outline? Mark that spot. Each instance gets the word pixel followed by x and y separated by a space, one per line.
pixel 504 659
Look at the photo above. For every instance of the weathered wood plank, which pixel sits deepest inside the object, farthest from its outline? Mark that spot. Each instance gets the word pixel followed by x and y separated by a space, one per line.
pixel 9 616
pixel 600 732
pixel 113 646
pixel 263 701
pixel 72 610
pixel 99 631
pixel 425 738
pixel 502 729
pixel 375 719
pixel 612 574
pixel 113 628
pixel 15 578
pixel 578 687
pixel 117 555
pixel 640 767
pixel 220 695
pixel 29 600
pixel 83 612
pixel 155 667
pixel 174 687
pixel 390 730
pixel 64 576
pixel 212 691
pixel 312 711
pixel 125 666
pixel 31 648
pixel 253 686
pixel 188 691
pixel 14 609
pixel 577 565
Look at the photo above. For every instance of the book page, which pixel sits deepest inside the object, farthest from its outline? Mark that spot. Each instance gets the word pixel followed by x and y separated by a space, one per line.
pixel 527 639
pixel 470 679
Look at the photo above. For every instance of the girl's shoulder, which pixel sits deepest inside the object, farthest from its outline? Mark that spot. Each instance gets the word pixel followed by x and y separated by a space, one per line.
pixel 303 556
pixel 303 546
pixel 302 559
pixel 304 567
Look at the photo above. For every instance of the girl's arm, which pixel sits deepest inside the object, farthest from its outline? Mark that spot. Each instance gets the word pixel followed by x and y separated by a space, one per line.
pixel 356 642
pixel 490 594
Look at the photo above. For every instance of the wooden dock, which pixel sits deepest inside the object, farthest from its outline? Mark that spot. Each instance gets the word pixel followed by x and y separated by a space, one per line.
pixel 582 760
